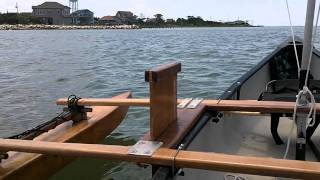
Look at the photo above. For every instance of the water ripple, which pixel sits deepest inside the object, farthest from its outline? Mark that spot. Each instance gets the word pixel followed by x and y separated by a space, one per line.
pixel 38 67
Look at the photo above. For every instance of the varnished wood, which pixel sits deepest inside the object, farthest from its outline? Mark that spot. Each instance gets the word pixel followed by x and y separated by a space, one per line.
pixel 184 159
pixel 163 97
pixel 101 122
pixel 253 106
pixel 187 118
pixel 107 102
pixel 162 72
pixel 216 105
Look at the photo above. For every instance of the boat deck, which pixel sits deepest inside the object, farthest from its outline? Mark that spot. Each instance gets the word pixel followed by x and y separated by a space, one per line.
pixel 246 135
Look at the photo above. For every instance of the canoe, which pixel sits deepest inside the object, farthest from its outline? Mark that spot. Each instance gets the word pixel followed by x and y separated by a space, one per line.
pixel 251 134
pixel 100 123
pixel 212 138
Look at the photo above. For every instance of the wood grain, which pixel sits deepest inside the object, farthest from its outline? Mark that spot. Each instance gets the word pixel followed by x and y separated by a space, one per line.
pixel 107 102
pixel 216 105
pixel 162 72
pixel 101 122
pixel 184 159
pixel 176 131
pixel 163 97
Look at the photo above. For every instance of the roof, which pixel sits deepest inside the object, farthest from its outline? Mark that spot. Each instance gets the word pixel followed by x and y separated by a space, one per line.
pixel 51 5
pixel 107 18
pixel 125 13
pixel 83 10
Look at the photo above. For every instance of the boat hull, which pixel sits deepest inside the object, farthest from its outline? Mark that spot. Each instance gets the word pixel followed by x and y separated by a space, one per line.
pixel 101 122
pixel 248 134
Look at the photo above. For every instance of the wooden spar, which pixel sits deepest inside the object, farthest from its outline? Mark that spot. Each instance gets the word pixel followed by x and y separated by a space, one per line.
pixel 107 102
pixel 164 157
pixel 223 105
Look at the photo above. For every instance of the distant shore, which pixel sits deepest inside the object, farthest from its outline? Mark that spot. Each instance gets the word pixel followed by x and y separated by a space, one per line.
pixel 62 27
pixel 70 27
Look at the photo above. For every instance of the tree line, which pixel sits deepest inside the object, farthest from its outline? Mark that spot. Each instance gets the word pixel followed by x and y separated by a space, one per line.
pixel 19 18
pixel 190 21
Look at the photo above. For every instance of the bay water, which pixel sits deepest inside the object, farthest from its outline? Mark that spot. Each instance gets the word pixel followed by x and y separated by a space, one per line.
pixel 38 67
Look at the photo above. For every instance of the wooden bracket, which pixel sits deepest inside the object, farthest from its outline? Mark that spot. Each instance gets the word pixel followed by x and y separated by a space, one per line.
pixel 163 97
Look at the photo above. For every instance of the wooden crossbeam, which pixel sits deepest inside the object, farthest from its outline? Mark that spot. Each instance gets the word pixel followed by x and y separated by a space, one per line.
pixel 107 102
pixel 164 157
pixel 223 105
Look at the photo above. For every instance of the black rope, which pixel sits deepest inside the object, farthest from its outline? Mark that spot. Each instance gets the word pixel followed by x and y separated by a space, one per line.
pixel 73 107
pixel 40 127
pixel 36 131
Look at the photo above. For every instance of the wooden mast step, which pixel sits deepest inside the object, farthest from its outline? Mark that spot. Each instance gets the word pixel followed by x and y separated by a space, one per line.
pixel 163 97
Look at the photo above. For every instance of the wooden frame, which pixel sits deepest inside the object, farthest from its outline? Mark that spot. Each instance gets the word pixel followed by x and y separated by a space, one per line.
pixel 164 157
pixel 165 127
pixel 216 105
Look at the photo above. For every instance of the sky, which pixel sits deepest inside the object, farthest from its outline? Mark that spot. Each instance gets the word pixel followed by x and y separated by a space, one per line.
pixel 257 12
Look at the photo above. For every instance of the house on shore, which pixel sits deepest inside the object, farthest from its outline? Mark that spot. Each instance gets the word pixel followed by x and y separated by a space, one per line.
pixel 238 22
pixel 109 21
pixel 126 17
pixel 82 17
pixel 122 17
pixel 52 13
pixel 170 21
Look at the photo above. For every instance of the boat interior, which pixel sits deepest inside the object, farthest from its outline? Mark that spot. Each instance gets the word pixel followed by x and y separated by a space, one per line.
pixel 257 134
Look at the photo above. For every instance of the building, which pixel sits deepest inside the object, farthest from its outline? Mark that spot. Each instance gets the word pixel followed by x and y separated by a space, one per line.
pixel 52 13
pixel 122 17
pixel 170 21
pixel 82 17
pixel 151 20
pixel 126 17
pixel 238 22
pixel 109 20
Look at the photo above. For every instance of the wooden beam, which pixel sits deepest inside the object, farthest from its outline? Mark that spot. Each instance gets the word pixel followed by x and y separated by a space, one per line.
pixel 164 157
pixel 216 105
pixel 107 102
pixel 174 134
pixel 253 106
pixel 162 72
pixel 163 97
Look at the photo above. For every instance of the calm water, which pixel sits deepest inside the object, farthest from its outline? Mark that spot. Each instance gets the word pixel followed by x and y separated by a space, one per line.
pixel 38 67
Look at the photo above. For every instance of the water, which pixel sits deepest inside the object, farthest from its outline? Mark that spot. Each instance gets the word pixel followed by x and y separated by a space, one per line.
pixel 38 67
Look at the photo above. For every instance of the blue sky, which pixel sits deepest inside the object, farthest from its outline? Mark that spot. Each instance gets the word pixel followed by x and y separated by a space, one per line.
pixel 260 12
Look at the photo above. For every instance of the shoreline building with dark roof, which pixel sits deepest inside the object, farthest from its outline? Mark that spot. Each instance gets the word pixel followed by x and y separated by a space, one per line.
pixel 52 13
pixel 126 17
pixel 83 17
pixel 122 17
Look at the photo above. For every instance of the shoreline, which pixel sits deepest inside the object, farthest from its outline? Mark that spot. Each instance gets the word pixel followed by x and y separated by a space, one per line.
pixel 8 27
pixel 63 27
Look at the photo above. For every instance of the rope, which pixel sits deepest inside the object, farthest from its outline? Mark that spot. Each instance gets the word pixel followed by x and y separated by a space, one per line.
pixel 292 126
pixel 293 38
pixel 40 127
pixel 305 91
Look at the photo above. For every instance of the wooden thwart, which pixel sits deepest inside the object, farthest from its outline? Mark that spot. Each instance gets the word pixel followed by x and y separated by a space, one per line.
pixel 216 105
pixel 164 157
